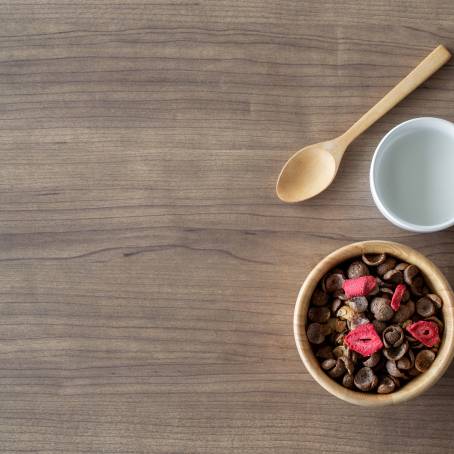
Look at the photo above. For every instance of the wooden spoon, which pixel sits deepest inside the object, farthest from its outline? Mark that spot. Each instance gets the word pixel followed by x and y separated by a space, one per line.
pixel 312 169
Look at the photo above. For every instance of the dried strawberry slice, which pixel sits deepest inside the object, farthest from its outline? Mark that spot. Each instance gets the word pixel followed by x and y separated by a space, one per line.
pixel 425 332
pixel 364 340
pixel 360 286
pixel 397 297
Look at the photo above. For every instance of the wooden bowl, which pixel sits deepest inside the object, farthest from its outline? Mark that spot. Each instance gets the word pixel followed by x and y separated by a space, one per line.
pixel 435 280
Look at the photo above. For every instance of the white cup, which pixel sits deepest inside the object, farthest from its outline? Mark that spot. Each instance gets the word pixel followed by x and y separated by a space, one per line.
pixel 412 175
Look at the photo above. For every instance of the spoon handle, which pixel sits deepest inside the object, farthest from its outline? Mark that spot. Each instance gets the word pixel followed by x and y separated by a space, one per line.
pixel 432 63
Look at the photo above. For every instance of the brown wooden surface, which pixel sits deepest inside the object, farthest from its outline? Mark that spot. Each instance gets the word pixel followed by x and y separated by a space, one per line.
pixel 148 272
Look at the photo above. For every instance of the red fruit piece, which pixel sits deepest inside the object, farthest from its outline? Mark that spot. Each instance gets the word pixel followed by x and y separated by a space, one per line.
pixel 397 297
pixel 364 340
pixel 425 332
pixel 360 286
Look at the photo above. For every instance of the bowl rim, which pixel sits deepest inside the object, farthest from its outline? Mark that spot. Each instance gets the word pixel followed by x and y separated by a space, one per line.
pixel 394 217
pixel 416 386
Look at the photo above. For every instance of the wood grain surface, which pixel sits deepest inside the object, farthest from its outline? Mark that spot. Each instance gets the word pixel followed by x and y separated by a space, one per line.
pixel 148 273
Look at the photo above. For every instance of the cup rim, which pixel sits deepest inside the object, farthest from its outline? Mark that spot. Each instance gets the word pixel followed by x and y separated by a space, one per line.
pixel 416 386
pixel 393 217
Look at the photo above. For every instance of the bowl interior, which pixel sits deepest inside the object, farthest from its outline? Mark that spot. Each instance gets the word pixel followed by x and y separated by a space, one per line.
pixel 435 280
pixel 411 177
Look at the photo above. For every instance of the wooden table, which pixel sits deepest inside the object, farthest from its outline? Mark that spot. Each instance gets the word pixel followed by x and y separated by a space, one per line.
pixel 148 272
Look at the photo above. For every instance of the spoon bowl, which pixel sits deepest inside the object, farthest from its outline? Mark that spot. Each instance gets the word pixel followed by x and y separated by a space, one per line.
pixel 312 169
pixel 308 172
